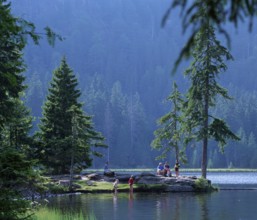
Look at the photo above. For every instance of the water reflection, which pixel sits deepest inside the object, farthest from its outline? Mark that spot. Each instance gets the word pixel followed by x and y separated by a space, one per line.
pixel 130 205
pixel 170 206
pixel 177 208
pixel 115 204
pixel 203 204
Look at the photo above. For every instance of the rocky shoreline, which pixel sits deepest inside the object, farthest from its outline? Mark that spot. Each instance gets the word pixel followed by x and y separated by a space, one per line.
pixel 143 182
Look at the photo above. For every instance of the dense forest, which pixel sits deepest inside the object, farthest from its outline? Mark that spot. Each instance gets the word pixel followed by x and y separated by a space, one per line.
pixel 123 59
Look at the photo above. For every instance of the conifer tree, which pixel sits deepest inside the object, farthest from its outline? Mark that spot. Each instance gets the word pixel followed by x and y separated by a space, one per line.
pixel 219 12
pixel 62 119
pixel 17 173
pixel 14 32
pixel 206 66
pixel 168 136
pixel 17 168
pixel 11 61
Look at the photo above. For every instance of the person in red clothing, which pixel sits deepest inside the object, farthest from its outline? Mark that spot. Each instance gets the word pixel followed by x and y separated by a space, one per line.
pixel 131 182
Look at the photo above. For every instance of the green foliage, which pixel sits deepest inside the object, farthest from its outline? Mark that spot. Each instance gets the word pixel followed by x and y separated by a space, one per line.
pixel 217 12
pixel 12 42
pixel 204 185
pixel 56 188
pixel 18 180
pixel 18 177
pixel 11 65
pixel 15 132
pixel 66 133
pixel 169 135
pixel 206 66
pixel 52 36
pixel 29 29
pixel 220 132
pixel 141 60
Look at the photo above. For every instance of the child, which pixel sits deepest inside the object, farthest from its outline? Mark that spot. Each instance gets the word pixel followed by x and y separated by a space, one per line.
pixel 176 167
pixel 115 186
pixel 131 182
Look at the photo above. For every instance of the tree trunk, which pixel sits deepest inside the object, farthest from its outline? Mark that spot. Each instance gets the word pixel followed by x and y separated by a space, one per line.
pixel 71 170
pixel 206 114
pixel 204 158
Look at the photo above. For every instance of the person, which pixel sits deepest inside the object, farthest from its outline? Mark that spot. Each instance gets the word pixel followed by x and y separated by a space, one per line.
pixel 106 167
pixel 167 171
pixel 115 186
pixel 176 167
pixel 160 169
pixel 131 182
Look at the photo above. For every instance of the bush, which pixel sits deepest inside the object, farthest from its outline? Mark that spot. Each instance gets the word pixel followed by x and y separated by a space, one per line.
pixel 204 185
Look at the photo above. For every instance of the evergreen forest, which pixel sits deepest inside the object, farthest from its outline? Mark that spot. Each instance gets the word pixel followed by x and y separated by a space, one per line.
pixel 122 59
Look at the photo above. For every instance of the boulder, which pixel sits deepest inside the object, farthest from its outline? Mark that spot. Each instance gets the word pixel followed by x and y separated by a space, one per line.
pixel 94 176
pixel 150 179
pixel 172 184
pixel 123 178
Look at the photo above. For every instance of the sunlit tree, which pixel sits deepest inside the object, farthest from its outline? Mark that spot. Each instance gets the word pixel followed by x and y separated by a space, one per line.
pixel 207 65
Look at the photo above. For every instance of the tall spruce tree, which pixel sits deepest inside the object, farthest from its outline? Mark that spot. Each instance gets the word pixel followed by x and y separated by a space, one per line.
pixel 14 32
pixel 206 66
pixel 16 169
pixel 66 132
pixel 17 173
pixel 168 136
pixel 11 61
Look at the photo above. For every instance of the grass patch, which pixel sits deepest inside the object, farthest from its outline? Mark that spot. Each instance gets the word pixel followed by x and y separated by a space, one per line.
pixel 122 187
pixel 100 186
pixel 56 214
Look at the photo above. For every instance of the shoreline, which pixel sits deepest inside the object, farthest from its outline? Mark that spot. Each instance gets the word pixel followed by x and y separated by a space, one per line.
pixel 143 182
pixel 182 170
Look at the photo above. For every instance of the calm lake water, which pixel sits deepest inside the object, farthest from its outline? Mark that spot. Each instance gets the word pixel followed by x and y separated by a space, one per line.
pixel 237 199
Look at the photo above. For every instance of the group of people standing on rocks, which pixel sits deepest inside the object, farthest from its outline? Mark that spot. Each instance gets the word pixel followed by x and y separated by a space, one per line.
pixel 165 170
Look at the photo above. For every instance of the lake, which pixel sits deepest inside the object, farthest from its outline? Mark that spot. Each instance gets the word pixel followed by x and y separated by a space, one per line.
pixel 236 200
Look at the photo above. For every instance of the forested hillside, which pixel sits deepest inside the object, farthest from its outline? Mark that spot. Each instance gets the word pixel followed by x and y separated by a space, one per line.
pixel 123 59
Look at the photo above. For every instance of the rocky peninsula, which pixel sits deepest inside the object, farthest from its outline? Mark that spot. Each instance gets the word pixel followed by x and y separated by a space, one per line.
pixel 143 182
